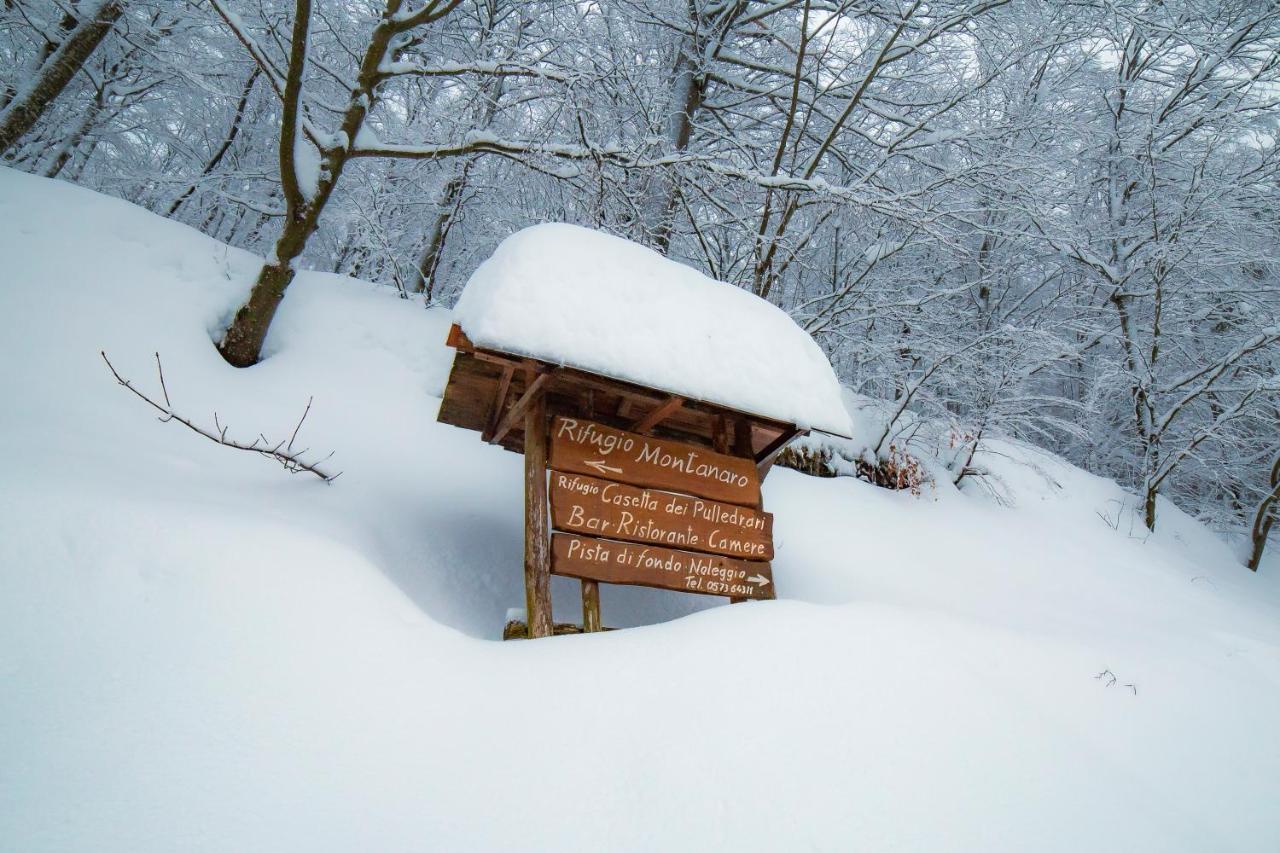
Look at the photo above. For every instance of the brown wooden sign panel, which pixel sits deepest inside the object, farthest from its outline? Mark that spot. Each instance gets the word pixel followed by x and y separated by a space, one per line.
pixel 581 504
pixel 649 565
pixel 584 447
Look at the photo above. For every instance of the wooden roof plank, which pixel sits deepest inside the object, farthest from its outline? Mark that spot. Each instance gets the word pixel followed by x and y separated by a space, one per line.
pixel 458 340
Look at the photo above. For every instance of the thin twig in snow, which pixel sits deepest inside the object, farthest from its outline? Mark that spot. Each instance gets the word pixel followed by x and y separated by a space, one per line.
pixel 280 452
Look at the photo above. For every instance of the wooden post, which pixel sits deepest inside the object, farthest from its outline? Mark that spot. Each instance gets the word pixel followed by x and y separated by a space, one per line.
pixel 742 443
pixel 720 440
pixel 537 537
pixel 590 606
pixel 590 588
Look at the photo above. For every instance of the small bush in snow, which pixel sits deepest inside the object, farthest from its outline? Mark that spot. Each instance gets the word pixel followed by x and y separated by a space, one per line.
pixel 897 470
pixel 814 460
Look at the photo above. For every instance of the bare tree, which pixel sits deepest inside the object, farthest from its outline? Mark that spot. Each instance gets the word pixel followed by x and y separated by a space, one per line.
pixel 312 160
pixel 26 105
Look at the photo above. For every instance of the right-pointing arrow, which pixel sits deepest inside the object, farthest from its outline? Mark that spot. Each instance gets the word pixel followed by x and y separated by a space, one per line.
pixel 759 580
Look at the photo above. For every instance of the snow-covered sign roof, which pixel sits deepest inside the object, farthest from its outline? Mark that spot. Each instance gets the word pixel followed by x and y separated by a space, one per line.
pixel 577 297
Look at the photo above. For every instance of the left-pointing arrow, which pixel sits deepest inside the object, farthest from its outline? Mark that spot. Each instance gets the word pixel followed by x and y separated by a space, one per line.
pixel 599 465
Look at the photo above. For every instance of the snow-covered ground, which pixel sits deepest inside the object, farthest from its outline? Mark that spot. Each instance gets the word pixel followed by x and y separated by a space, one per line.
pixel 199 651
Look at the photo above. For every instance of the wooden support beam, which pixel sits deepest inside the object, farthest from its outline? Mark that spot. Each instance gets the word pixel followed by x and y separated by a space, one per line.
pixel 764 459
pixel 537 525
pixel 720 441
pixel 590 588
pixel 515 412
pixel 743 443
pixel 499 400
pixel 657 414
pixel 720 433
pixel 590 606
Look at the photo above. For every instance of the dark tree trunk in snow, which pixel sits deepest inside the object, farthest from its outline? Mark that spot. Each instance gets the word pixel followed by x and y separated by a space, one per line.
pixel 242 343
pixel 1265 517
pixel 429 262
pixel 308 187
pixel 690 89
pixel 25 109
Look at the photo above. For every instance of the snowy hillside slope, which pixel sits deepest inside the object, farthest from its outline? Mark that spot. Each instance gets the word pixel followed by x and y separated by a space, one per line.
pixel 199 651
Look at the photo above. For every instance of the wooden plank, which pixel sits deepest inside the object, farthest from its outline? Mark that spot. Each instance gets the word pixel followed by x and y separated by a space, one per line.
pixel 657 414
pixel 652 396
pixel 615 387
pixel 469 393
pixel 537 563
pixel 665 568
pixel 595 507
pixel 475 378
pixel 584 447
pixel 457 339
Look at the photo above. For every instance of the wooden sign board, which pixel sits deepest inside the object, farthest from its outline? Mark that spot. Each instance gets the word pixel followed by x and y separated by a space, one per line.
pixel 581 504
pixel 649 565
pixel 585 447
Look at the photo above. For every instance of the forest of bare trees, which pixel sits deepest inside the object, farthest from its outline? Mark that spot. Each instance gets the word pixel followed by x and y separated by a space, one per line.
pixel 1057 222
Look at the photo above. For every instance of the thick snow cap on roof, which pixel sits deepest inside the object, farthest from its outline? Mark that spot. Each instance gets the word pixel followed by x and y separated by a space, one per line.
pixel 582 298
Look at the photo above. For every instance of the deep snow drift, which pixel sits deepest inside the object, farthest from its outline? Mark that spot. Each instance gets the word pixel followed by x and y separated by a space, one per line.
pixel 199 651
pixel 571 295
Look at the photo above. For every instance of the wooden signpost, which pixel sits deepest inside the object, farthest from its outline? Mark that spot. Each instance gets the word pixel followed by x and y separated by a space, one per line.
pixel 681 511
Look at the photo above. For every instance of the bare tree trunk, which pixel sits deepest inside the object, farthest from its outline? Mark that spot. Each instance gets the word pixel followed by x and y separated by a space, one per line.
pixel 241 345
pixel 1149 502
pixel 67 149
pixel 1265 517
pixel 425 280
pixel 78 166
pixel 450 205
pixel 65 25
pixel 236 122
pixel 689 92
pixel 25 109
